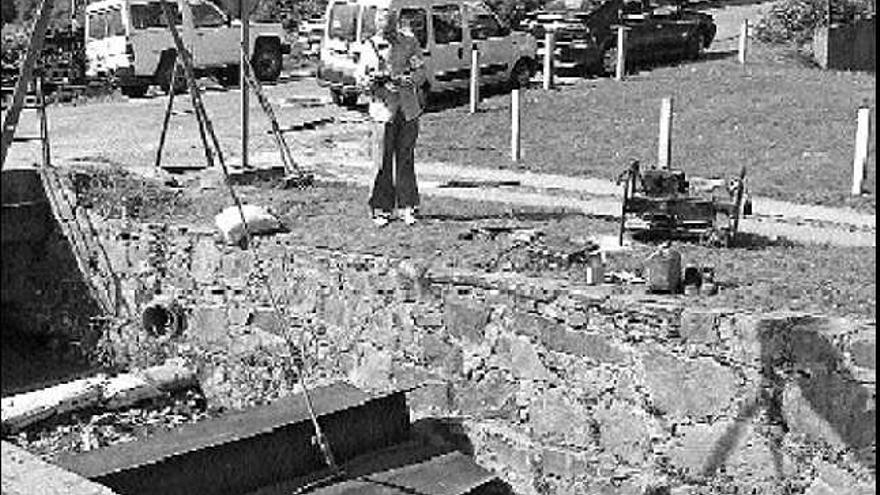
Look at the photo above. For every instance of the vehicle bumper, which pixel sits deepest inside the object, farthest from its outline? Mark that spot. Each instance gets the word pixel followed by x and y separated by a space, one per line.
pixel 337 80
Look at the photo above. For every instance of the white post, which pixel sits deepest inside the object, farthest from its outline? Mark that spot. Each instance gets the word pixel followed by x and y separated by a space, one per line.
pixel 664 145
pixel 475 79
pixel 743 41
pixel 621 54
pixel 514 125
pixel 549 48
pixel 243 84
pixel 861 155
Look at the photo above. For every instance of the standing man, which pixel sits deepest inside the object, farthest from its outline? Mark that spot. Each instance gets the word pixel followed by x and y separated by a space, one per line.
pixel 394 77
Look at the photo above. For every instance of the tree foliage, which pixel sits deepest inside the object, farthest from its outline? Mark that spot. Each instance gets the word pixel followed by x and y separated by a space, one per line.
pixel 795 20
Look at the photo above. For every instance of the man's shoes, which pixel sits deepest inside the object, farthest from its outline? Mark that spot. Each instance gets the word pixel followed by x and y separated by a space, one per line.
pixel 408 216
pixel 380 218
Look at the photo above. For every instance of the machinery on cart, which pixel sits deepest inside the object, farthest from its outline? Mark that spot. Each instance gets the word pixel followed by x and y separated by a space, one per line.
pixel 663 204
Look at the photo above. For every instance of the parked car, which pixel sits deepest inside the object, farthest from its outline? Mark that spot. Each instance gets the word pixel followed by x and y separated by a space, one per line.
pixel 130 41
pixel 447 30
pixel 586 41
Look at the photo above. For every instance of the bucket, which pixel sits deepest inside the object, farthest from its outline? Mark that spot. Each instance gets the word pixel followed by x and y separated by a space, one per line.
pixel 664 271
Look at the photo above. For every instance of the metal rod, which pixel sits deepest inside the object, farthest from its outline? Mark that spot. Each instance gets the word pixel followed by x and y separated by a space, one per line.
pixel 743 41
pixel 167 117
pixel 514 125
pixel 620 68
pixel 549 47
pixel 475 79
pixel 664 144
pixel 243 82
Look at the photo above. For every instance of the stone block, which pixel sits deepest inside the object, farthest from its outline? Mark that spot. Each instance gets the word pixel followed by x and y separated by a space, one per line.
pixel 465 319
pixel 374 370
pixel 700 444
pixel 208 324
pixel 831 480
pixel 533 325
pixel 864 353
pixel 697 387
pixel 565 464
pixel 559 420
pixel 592 346
pixel 623 432
pixel 831 407
pixel 491 397
pixel 523 360
pixel 699 326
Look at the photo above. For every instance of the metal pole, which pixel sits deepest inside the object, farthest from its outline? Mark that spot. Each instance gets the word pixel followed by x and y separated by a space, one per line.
pixel 743 41
pixel 243 83
pixel 664 145
pixel 549 47
pixel 475 79
pixel 514 126
pixel 621 54
pixel 167 118
pixel 861 154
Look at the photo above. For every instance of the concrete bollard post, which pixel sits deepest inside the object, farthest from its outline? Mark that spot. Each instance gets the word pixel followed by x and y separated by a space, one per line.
pixel 475 79
pixel 743 41
pixel 664 144
pixel 549 48
pixel 514 125
pixel 621 54
pixel 860 157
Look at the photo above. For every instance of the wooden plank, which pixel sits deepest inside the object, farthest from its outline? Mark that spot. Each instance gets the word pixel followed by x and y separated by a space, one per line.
pixel 35 46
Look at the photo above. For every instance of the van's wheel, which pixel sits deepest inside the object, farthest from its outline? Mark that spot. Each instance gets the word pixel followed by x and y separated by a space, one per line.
pixel 267 61
pixel 136 91
pixel 343 99
pixel 696 46
pixel 163 74
pixel 521 74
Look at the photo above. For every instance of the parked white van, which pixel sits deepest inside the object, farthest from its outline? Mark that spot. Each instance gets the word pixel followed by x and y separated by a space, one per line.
pixel 130 40
pixel 448 31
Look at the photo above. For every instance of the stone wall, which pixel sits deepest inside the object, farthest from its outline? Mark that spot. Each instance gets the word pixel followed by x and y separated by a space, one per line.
pixel 559 388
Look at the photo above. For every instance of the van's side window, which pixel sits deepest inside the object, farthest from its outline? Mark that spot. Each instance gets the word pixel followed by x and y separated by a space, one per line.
pixel 417 21
pixel 447 24
pixel 205 15
pixel 152 16
pixel 115 26
pixel 484 26
pixel 97 25
pixel 368 23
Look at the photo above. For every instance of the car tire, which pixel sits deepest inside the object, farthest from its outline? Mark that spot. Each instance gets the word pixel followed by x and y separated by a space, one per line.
pixel 521 74
pixel 136 91
pixel 163 75
pixel 267 61
pixel 342 99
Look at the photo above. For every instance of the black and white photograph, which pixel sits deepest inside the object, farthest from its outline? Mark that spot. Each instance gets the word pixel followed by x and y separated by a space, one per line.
pixel 438 247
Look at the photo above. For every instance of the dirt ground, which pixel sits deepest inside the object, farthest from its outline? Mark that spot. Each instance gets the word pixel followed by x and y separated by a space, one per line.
pixel 761 275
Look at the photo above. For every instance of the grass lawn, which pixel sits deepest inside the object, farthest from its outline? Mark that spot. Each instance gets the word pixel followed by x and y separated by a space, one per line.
pixel 792 126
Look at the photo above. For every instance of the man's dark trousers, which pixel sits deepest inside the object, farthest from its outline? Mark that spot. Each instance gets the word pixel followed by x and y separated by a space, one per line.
pixel 396 143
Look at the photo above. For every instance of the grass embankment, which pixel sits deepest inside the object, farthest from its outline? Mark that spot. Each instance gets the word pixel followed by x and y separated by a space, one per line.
pixel 791 125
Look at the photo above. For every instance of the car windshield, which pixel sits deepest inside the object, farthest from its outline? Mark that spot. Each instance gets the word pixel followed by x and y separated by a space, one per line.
pixel 343 22
pixel 150 15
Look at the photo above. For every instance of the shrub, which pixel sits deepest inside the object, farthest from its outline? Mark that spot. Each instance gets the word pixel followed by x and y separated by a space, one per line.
pixel 793 21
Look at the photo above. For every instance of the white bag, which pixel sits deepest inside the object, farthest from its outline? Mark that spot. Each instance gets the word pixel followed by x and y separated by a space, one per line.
pixel 259 221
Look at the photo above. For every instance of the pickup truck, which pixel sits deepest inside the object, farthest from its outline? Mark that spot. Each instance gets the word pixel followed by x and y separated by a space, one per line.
pixel 586 41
